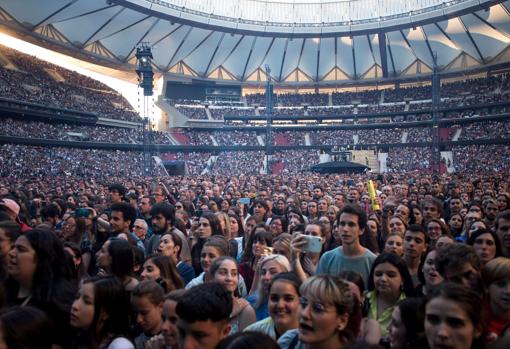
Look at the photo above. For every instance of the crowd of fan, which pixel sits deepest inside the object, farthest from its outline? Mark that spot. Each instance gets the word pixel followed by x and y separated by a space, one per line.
pixel 219 113
pixel 332 137
pixel 409 159
pixel 291 137
pixel 195 162
pixel 32 82
pixel 33 161
pixel 379 136
pixel 72 132
pixel 423 134
pixel 485 130
pixel 43 130
pixel 236 138
pixel 225 261
pixel 296 161
pixel 485 159
pixel 290 99
pixel 19 161
pixel 471 91
pixel 193 112
pixel 238 162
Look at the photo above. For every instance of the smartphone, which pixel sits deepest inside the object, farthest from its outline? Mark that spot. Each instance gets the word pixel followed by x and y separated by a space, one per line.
pixel 245 201
pixel 314 244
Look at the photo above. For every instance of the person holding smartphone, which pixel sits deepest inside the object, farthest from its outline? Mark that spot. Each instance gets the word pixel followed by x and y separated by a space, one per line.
pixel 306 248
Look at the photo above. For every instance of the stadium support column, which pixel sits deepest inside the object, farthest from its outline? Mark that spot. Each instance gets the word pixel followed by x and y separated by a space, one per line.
pixel 145 82
pixel 436 100
pixel 381 36
pixel 269 118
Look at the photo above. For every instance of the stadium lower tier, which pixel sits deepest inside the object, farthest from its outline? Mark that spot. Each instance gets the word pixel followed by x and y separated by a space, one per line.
pixel 20 161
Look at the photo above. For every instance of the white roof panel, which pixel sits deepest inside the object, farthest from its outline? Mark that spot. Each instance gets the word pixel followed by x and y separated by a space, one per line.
pixel 363 54
pixel 79 29
pixel 308 62
pixel 344 55
pixel 236 62
pixel 327 56
pixel 292 56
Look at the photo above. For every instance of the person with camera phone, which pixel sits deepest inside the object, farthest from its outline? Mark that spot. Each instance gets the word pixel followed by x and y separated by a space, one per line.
pixel 306 247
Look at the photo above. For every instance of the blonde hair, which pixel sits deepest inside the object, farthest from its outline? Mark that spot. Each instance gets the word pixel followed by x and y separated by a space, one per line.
pixel 334 290
pixel 282 261
pixel 330 289
pixel 495 270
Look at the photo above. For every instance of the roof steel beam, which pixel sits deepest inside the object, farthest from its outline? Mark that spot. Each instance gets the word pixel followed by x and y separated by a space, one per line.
pixel 478 51
pixel 382 52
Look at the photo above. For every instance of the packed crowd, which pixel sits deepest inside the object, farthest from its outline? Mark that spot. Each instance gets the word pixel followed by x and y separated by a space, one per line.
pixel 240 162
pixel 295 161
pixel 193 112
pixel 33 161
pixel 74 132
pixel 289 99
pixel 43 130
pixel 482 158
pixel 470 91
pixel 486 130
pixel 253 261
pixel 235 138
pixel 409 159
pixel 39 82
pixel 219 113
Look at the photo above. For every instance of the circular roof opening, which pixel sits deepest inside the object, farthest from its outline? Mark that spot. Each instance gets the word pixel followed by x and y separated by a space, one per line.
pixel 306 12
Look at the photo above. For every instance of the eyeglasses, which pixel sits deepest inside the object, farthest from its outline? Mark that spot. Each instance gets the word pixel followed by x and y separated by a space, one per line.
pixel 138 227
pixel 178 206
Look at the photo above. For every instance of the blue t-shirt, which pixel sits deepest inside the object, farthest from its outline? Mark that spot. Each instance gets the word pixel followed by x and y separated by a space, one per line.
pixel 262 311
pixel 334 261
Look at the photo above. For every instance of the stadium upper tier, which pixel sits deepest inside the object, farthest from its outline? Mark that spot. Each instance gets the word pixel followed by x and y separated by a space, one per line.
pixel 304 44
pixel 28 79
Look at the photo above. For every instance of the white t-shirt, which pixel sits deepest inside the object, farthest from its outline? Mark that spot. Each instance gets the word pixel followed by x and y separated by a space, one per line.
pixel 121 343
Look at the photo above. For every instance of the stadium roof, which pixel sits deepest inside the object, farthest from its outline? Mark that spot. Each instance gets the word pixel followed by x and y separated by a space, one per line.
pixel 303 42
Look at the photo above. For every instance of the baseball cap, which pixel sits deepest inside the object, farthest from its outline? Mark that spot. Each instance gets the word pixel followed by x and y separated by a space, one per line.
pixel 11 205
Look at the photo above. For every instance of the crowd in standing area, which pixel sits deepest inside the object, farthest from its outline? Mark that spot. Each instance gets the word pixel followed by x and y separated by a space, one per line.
pixel 255 261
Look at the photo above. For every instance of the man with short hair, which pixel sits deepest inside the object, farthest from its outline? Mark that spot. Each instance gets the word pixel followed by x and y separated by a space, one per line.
pixel 491 210
pixel 351 255
pixel 146 203
pixel 415 246
pixel 117 192
pixel 340 200
pixel 353 196
pixel 459 263
pixel 50 214
pixel 122 218
pixel 387 190
pixel 502 229
pixel 432 209
pixel 455 206
pixel 318 192
pixel 163 219
pixel 204 313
